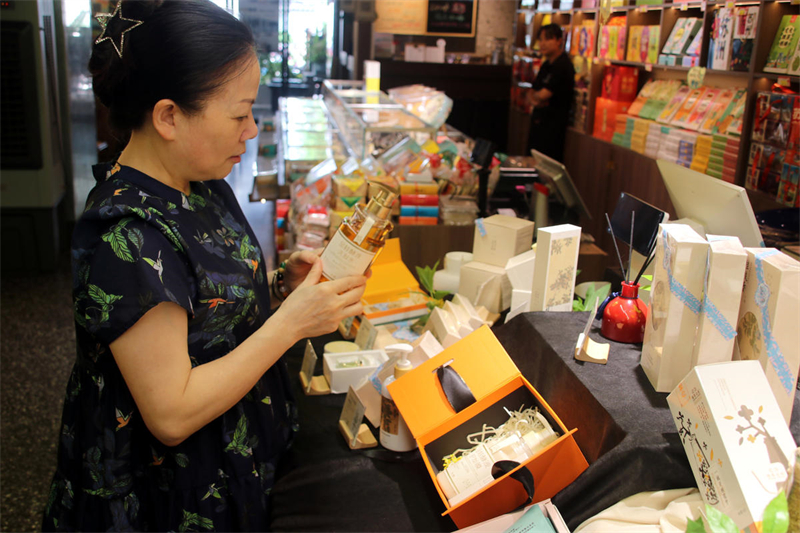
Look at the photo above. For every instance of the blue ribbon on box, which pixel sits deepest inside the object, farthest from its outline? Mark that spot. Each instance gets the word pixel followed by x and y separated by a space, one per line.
pixel 711 311
pixel 762 300
pixel 675 286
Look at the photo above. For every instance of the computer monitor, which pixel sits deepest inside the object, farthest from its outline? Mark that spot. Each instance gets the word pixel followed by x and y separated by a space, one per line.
pixel 560 183
pixel 720 207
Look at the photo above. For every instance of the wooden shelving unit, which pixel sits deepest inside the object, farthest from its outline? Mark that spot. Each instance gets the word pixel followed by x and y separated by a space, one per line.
pixel 602 170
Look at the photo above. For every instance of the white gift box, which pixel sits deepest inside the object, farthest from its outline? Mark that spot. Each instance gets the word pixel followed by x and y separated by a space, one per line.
pixel 519 270
pixel 556 264
pixel 722 295
pixel 475 320
pixel 343 370
pixel 737 442
pixel 768 329
pixel 425 347
pixel 498 238
pixel 486 285
pixel 461 317
pixel 675 298
pixel 443 326
pixel 520 303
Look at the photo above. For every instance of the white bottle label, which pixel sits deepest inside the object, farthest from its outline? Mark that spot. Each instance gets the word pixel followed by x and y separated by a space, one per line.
pixel 343 258
pixel 364 231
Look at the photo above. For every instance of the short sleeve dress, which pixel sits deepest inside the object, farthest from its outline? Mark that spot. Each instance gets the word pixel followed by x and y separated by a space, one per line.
pixel 137 244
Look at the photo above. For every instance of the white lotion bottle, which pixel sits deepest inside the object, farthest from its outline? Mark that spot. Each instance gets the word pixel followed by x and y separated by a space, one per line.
pixel 394 432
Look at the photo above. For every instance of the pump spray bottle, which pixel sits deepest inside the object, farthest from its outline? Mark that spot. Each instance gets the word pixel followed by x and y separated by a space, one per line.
pixel 395 434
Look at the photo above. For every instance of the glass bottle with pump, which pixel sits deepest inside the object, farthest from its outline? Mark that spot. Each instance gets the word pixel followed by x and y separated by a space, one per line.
pixel 359 238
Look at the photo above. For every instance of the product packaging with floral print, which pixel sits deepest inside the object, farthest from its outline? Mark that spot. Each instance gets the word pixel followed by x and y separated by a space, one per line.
pixel 740 449
pixel 556 264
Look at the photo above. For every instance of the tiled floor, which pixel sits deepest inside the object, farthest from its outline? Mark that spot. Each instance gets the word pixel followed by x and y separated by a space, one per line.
pixel 37 350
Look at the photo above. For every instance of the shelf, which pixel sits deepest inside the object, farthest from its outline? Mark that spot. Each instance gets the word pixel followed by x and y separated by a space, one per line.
pixel 733 73
pixel 775 76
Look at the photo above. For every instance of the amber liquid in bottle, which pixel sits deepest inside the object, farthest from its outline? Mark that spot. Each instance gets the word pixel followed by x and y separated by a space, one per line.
pixel 359 239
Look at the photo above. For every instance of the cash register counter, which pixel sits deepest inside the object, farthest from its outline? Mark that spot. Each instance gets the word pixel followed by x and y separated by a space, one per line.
pixel 625 430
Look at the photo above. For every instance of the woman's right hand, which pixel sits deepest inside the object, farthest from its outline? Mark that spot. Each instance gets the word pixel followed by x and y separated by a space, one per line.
pixel 315 309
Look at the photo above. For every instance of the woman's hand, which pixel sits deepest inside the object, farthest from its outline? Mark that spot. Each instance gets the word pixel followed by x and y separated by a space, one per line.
pixel 314 308
pixel 298 266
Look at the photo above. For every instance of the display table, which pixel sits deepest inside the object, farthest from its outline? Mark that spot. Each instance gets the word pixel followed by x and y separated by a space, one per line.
pixel 624 429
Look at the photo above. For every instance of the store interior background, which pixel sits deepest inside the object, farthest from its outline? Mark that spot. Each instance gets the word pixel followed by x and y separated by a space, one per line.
pixel 302 42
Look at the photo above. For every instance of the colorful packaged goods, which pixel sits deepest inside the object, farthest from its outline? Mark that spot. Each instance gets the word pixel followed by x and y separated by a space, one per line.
pixel 784 47
pixel 744 34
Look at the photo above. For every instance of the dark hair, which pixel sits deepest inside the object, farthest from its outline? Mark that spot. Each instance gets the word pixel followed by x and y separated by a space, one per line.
pixel 551 31
pixel 184 51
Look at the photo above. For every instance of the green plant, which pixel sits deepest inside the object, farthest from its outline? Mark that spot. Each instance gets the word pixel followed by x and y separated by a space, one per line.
pixel 425 276
pixel 775 520
pixel 592 295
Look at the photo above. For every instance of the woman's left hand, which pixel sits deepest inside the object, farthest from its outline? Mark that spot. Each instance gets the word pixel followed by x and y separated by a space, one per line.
pixel 297 267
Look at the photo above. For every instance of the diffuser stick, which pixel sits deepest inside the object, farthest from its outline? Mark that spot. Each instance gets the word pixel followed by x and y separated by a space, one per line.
pixel 630 246
pixel 646 264
pixel 614 239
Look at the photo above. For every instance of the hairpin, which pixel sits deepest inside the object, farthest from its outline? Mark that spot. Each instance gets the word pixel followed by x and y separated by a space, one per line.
pixel 118 25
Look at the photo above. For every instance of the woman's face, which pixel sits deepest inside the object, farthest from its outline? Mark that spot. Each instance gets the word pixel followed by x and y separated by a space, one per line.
pixel 212 141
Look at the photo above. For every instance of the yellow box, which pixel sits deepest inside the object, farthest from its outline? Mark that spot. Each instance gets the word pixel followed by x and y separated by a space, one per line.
pixel 496 383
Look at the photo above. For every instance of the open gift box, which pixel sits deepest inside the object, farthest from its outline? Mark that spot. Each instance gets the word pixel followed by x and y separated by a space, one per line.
pixel 497 385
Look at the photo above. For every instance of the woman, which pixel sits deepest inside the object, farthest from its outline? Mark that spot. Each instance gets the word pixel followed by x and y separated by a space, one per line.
pixel 178 408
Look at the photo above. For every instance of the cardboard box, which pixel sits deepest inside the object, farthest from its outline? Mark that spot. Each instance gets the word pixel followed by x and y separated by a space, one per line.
pixel 443 326
pixel 401 306
pixel 485 285
pixel 738 445
pixel 719 311
pixel 519 270
pixel 461 318
pixel 347 186
pixel 520 303
pixel 507 521
pixel 675 297
pixel 557 249
pixel 368 390
pixel 496 383
pixel 498 238
pixel 390 276
pixel 769 316
pixel 475 321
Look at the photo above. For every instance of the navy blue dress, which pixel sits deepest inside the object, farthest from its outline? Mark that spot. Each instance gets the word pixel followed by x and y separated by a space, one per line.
pixel 137 244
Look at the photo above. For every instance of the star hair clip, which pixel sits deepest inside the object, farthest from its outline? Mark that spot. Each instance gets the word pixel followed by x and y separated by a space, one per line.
pixel 115 26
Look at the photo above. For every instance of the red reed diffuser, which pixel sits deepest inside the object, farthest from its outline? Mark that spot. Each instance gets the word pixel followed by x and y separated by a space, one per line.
pixel 624 317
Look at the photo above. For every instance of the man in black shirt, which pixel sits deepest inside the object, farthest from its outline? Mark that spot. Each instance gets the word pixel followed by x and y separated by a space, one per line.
pixel 552 95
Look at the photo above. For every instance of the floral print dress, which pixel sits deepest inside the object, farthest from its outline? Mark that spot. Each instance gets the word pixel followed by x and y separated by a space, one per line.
pixel 137 244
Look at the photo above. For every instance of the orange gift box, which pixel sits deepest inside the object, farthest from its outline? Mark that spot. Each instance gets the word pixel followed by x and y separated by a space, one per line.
pixel 605 117
pixel 496 384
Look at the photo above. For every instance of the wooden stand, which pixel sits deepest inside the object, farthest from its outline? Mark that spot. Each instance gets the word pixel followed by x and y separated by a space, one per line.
pixel 319 385
pixel 365 438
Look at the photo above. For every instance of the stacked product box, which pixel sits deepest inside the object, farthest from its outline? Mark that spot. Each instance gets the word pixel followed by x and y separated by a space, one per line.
pixel 719 47
pixel 784 55
pixel 655 137
pixel 774 160
pixel 612 40
pixel 702 154
pixel 643 44
pixel 618 91
pixel 484 281
pixel 419 203
pixel 680 42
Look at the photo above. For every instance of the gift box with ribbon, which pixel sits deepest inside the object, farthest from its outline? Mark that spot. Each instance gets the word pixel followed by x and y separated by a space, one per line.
pixel 676 297
pixel 769 315
pixel 467 387
pixel 719 310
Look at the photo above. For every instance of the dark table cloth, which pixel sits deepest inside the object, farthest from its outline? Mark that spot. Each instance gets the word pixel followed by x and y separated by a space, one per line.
pixel 625 430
